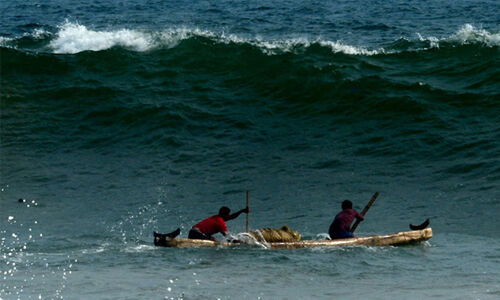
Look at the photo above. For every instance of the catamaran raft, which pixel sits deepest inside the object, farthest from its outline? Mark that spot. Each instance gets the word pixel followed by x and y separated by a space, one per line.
pixel 396 239
pixel 285 238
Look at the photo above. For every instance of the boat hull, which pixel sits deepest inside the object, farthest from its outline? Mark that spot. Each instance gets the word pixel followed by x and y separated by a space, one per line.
pixel 396 239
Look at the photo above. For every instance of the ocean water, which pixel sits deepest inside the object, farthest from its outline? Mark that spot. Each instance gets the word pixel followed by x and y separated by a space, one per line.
pixel 120 118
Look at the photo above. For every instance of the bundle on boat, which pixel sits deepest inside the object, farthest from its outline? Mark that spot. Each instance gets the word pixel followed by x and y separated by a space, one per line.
pixel 276 235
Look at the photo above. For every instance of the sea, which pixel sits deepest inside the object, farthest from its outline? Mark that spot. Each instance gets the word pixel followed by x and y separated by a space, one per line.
pixel 119 118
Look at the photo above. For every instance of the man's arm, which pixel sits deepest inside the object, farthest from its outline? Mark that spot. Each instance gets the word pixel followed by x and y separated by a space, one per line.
pixel 236 214
pixel 359 216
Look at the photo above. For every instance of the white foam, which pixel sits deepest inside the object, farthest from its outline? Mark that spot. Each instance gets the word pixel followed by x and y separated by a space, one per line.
pixel 338 47
pixel 4 42
pixel 276 46
pixel 271 47
pixel 139 248
pixel 74 38
pixel 467 34
pixel 470 34
pixel 172 37
pixel 38 34
pixel 98 249
pixel 433 41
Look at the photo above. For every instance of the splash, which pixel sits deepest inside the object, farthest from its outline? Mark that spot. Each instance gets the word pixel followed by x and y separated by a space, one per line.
pixel 248 239
pixel 137 225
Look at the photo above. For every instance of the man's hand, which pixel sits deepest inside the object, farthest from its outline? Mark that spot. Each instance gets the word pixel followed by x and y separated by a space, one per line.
pixel 236 214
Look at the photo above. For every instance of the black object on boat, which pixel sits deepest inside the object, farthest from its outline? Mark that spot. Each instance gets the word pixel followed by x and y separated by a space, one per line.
pixel 421 226
pixel 165 239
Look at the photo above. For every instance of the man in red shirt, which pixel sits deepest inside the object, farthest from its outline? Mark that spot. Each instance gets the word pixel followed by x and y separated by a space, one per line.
pixel 341 225
pixel 214 224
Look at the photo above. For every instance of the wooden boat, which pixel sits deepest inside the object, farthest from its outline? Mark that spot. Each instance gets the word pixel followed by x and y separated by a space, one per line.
pixel 396 239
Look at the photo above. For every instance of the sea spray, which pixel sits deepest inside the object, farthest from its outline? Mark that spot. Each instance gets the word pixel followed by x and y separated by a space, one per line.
pixel 21 257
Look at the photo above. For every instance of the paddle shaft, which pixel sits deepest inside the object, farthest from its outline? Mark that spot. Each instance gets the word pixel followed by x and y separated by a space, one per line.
pixel 247 207
pixel 365 210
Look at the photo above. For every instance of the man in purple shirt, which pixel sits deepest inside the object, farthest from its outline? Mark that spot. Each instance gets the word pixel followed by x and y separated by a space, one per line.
pixel 341 225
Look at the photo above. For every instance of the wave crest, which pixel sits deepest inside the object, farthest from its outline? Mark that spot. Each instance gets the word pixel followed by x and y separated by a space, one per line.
pixel 72 38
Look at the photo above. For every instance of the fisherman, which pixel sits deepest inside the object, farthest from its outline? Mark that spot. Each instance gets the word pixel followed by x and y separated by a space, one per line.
pixel 215 224
pixel 341 225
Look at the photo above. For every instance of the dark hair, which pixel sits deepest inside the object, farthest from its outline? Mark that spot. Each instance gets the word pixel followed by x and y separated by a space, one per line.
pixel 224 211
pixel 346 204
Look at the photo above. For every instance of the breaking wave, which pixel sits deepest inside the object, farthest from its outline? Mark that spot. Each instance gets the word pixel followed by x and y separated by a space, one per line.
pixel 72 38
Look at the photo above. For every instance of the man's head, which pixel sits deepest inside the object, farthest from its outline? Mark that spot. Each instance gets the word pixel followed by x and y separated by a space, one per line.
pixel 224 212
pixel 346 204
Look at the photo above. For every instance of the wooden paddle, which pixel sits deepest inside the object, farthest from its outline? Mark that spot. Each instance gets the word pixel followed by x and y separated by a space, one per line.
pixel 367 207
pixel 247 207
